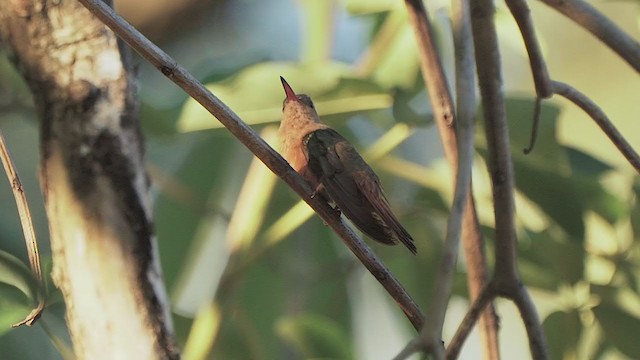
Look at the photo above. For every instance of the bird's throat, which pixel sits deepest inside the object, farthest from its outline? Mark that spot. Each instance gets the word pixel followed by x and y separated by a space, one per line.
pixel 297 122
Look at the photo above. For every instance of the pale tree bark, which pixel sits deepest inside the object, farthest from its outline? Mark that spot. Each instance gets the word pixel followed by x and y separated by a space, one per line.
pixel 92 175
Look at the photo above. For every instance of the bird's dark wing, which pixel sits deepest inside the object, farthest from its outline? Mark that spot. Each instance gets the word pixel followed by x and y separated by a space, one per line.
pixel 372 189
pixel 354 187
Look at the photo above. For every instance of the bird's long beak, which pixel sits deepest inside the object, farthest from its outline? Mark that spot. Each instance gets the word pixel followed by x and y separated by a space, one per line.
pixel 291 95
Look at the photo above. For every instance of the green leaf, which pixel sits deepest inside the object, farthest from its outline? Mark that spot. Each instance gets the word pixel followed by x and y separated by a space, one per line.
pixel 554 258
pixel 547 151
pixel 412 107
pixel 18 288
pixel 315 336
pixel 562 331
pixel 256 94
pixel 317 20
pixel 14 305
pixel 360 7
pixel 585 164
pixel 620 328
pixel 554 194
pixel 194 174
pixel 13 272
pixel 546 176
pixel 395 63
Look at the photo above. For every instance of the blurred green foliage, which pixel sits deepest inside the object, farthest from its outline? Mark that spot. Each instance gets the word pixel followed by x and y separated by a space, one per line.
pixel 296 292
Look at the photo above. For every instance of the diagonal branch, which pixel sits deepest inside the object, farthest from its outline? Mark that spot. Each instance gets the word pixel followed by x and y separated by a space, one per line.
pixel 531 322
pixel 601 27
pixel 259 148
pixel 485 297
pixel 594 111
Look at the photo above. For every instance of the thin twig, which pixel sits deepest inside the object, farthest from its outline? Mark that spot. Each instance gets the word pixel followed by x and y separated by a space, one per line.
pixel 176 73
pixel 487 294
pixel 435 81
pixel 27 230
pixel 534 126
pixel 522 16
pixel 601 27
pixel 411 348
pixel 476 281
pixel 594 111
pixel 531 322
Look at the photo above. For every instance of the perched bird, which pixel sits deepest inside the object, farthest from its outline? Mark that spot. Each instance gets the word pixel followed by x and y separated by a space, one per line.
pixel 336 171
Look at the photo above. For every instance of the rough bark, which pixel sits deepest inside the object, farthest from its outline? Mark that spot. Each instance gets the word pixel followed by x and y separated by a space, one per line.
pixel 92 175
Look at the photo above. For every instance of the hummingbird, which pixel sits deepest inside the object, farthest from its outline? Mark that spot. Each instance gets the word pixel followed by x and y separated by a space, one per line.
pixel 336 171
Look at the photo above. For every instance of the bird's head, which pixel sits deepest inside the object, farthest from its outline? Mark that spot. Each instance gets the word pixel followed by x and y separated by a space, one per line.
pixel 297 104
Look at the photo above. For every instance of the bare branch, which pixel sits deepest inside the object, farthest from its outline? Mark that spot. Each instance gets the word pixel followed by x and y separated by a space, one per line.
pixel 534 127
pixel 522 16
pixel 476 281
pixel 497 134
pixel 23 210
pixel 260 148
pixel 27 230
pixel 487 294
pixel 434 79
pixel 594 111
pixel 531 322
pixel 599 25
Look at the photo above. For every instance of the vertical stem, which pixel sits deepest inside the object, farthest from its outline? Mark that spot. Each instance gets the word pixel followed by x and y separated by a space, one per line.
pixel 497 133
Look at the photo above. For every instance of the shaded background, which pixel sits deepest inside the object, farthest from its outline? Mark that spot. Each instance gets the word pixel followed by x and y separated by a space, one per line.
pixel 265 279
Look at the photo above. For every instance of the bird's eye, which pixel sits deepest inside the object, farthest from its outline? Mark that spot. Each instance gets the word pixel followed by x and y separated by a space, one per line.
pixel 306 100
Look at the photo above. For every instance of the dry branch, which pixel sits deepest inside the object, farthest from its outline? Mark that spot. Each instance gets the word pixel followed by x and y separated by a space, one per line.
pixel 27 230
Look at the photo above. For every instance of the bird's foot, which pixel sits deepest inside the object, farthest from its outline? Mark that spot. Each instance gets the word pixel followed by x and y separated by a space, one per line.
pixel 336 211
pixel 318 189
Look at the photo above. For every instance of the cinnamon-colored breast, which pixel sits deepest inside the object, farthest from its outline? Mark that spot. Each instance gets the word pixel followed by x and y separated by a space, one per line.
pixel 297 122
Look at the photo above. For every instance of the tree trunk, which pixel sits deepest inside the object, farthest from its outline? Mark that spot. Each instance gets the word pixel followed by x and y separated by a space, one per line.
pixel 95 188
